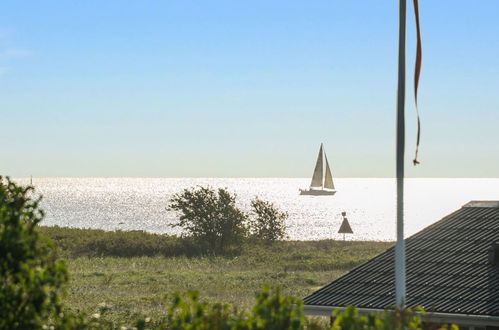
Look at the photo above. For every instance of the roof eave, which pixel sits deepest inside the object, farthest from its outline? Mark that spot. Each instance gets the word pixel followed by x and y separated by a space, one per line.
pixel 433 317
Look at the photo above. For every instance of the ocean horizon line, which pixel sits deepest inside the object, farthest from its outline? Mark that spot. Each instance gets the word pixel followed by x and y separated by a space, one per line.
pixel 237 177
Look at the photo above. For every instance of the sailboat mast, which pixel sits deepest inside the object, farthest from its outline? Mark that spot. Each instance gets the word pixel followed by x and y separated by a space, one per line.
pixel 324 173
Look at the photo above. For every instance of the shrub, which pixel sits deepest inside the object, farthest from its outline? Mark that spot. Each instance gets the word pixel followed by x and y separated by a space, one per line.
pixel 274 311
pixel 32 278
pixel 387 320
pixel 271 311
pixel 210 216
pixel 268 224
pixel 189 313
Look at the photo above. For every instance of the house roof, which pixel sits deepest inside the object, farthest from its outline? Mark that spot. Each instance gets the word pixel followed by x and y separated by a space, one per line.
pixel 448 269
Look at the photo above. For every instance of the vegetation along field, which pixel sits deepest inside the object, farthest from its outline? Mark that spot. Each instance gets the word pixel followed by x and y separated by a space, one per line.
pixel 132 271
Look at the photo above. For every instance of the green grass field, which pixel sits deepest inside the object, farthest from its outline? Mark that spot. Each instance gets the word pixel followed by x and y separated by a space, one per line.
pixel 132 271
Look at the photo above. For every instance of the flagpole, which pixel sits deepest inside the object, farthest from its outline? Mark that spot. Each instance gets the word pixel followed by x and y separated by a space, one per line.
pixel 400 148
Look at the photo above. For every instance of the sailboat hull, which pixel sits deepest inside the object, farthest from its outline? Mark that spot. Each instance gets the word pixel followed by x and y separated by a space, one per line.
pixel 321 192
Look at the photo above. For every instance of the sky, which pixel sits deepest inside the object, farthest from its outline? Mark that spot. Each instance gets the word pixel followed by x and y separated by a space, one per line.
pixel 243 88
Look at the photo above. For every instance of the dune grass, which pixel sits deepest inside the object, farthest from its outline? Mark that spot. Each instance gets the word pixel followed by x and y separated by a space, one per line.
pixel 132 271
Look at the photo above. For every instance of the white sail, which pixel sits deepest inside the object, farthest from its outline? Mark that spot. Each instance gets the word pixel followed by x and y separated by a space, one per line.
pixel 317 177
pixel 328 180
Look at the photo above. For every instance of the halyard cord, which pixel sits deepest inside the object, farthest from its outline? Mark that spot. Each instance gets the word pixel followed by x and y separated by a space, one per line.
pixel 417 72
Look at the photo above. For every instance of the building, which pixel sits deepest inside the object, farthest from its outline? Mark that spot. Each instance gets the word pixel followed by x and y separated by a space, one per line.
pixel 452 271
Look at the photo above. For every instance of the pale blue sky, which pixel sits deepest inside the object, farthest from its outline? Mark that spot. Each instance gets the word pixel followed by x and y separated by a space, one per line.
pixel 242 88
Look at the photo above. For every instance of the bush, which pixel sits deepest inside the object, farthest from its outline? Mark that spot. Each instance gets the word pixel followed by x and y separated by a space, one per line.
pixel 386 320
pixel 274 311
pixel 271 311
pixel 189 313
pixel 32 278
pixel 210 216
pixel 268 224
pixel 213 219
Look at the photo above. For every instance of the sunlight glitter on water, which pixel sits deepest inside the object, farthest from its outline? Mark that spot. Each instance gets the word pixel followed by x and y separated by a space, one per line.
pixel 140 204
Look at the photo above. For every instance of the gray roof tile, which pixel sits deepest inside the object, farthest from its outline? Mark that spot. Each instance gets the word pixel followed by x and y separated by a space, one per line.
pixel 448 269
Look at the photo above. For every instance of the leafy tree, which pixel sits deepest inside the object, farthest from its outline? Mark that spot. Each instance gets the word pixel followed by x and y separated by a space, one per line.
pixel 268 223
pixel 31 277
pixel 210 216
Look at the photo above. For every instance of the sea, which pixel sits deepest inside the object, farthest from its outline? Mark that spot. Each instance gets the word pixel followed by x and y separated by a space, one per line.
pixel 369 203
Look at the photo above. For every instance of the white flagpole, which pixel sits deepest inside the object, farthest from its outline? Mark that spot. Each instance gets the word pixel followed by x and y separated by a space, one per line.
pixel 400 245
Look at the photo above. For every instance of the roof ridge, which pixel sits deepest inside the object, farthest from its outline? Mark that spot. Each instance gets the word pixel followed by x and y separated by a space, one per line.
pixel 491 204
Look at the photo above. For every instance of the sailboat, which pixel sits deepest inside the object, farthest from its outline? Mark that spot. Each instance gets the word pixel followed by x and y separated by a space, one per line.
pixel 322 184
